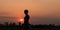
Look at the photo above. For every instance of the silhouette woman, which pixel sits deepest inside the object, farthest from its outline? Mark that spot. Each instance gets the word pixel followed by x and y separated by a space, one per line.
pixel 26 20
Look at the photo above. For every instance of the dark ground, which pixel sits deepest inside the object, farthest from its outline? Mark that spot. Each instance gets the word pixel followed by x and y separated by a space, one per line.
pixel 31 28
pixel 13 26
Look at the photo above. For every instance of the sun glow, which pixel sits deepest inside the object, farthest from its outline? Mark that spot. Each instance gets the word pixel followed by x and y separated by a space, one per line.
pixel 22 20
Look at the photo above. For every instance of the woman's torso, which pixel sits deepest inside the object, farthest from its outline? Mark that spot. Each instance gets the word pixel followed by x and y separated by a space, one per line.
pixel 26 19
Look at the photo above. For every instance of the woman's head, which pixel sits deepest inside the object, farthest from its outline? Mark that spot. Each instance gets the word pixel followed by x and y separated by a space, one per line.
pixel 26 12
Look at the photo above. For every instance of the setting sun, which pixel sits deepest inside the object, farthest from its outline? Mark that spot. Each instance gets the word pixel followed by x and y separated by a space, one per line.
pixel 22 20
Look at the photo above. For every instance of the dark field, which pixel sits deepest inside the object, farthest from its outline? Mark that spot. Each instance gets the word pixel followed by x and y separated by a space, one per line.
pixel 17 28
pixel 13 26
pixel 31 27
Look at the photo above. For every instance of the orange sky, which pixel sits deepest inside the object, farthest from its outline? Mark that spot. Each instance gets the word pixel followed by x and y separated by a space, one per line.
pixel 37 8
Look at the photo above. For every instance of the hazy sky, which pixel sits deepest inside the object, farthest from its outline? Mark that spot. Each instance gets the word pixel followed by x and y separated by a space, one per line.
pixel 41 11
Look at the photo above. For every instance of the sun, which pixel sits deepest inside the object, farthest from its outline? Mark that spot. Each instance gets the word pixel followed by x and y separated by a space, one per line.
pixel 21 20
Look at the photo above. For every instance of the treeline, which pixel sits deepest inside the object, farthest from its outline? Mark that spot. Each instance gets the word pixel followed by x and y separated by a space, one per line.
pixel 21 25
pixel 14 26
pixel 10 25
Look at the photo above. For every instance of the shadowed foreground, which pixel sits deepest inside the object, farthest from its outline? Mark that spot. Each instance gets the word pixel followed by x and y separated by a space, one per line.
pixel 13 26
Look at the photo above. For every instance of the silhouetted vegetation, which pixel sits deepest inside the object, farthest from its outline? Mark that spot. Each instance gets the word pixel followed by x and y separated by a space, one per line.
pixel 13 26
